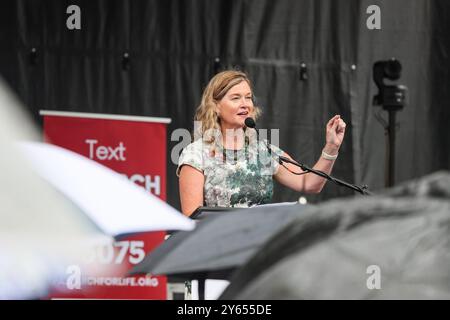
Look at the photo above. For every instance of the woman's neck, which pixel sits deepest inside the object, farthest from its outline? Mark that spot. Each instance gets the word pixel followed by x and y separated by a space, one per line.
pixel 233 138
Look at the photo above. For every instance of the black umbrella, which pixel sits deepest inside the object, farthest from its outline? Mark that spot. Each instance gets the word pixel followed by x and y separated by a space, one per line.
pixel 392 246
pixel 220 243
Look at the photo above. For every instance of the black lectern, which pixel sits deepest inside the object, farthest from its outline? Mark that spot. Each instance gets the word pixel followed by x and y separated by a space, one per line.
pixel 202 212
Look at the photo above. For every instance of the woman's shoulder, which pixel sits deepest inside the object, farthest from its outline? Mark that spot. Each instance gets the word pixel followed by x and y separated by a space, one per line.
pixel 192 155
pixel 198 146
pixel 196 150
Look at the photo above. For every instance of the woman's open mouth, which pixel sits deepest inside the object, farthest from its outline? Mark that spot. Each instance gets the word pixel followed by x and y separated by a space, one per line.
pixel 243 113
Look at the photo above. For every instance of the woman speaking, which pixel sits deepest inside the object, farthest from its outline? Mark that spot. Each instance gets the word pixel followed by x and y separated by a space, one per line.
pixel 227 166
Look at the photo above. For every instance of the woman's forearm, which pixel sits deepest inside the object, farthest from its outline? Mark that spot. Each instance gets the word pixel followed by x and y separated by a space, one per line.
pixel 315 183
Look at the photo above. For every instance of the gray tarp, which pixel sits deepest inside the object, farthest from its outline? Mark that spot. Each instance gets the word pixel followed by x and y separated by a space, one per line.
pixel 329 252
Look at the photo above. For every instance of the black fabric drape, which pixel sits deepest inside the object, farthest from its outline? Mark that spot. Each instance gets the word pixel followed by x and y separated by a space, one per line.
pixel 172 47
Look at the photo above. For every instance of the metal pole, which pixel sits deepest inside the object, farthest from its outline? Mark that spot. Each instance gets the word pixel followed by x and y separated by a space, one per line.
pixel 391 150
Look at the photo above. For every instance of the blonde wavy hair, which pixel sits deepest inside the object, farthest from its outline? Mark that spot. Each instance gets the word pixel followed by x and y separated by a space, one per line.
pixel 216 89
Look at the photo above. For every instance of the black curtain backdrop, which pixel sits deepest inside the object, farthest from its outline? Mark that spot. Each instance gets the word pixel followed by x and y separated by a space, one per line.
pixel 174 47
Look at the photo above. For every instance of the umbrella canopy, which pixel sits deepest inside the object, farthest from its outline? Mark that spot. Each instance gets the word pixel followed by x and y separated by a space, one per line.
pixel 116 205
pixel 219 244
pixel 40 231
pixel 392 246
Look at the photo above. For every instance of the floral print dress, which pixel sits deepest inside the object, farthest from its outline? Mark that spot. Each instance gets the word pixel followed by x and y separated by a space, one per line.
pixel 233 178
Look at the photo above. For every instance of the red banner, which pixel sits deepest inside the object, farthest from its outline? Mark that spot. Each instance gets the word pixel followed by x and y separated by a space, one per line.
pixel 132 146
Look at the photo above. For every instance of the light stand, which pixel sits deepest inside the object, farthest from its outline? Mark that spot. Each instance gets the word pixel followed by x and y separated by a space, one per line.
pixel 392 99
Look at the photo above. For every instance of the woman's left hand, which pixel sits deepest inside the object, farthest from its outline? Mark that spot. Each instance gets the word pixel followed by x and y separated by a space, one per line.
pixel 335 132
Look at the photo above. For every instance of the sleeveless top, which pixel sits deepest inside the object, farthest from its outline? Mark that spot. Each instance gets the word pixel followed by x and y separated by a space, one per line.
pixel 233 178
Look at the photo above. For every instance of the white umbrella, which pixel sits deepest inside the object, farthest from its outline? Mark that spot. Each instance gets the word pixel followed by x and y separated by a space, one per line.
pixel 41 232
pixel 114 203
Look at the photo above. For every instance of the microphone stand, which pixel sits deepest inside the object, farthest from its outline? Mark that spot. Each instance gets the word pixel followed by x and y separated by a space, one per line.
pixel 250 123
pixel 363 190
